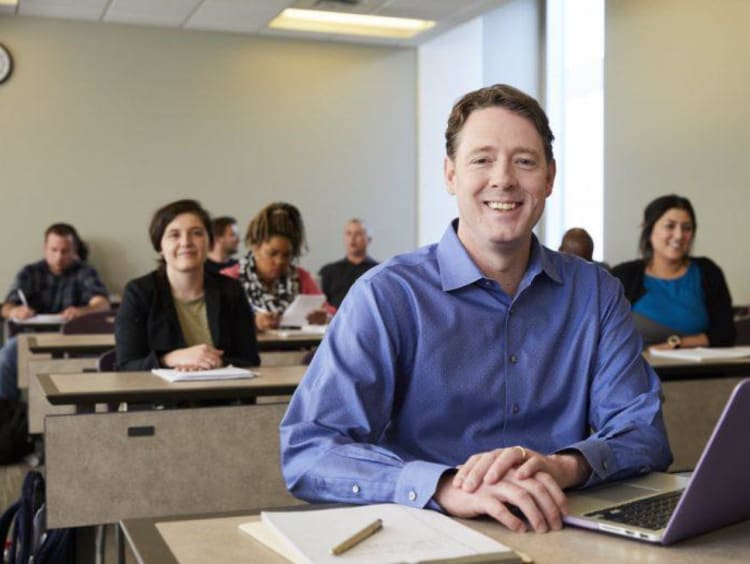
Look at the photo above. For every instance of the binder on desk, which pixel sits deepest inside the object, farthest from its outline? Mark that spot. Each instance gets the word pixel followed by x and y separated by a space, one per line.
pixel 408 535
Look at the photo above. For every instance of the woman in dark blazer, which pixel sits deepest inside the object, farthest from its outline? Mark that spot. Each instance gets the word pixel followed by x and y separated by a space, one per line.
pixel 180 316
pixel 678 300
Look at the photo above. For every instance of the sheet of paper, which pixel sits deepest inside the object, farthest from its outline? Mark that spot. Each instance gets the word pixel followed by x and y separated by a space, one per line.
pixel 224 373
pixel 42 319
pixel 297 312
pixel 408 535
pixel 702 353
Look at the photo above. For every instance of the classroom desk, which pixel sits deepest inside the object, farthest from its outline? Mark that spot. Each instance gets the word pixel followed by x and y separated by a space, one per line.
pixel 56 345
pixel 85 389
pixel 694 395
pixel 287 340
pixel 216 538
pixel 671 369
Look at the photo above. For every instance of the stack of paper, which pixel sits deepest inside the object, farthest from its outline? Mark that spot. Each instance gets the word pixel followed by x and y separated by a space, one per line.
pixel 699 354
pixel 408 535
pixel 225 373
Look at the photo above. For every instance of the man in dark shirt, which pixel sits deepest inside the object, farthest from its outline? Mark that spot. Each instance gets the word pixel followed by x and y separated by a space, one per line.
pixel 60 283
pixel 337 277
pixel 226 242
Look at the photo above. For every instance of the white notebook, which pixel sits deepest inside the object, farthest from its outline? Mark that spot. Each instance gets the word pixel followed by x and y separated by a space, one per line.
pixel 699 354
pixel 408 535
pixel 42 319
pixel 224 373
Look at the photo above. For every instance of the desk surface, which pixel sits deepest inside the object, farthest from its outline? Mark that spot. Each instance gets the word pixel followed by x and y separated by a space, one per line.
pixel 58 344
pixel 672 369
pixel 217 539
pixel 287 340
pixel 103 387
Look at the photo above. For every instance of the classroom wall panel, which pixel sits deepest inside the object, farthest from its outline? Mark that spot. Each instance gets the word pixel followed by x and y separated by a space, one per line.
pixel 677 85
pixel 102 123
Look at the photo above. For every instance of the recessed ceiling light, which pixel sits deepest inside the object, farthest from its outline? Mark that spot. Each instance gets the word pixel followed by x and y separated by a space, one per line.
pixel 349 24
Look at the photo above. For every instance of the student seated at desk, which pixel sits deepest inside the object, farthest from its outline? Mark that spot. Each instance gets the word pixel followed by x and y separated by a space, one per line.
pixel 677 300
pixel 337 277
pixel 276 239
pixel 179 315
pixel 484 372
pixel 60 283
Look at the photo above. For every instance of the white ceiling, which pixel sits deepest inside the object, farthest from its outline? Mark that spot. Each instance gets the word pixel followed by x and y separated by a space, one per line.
pixel 251 16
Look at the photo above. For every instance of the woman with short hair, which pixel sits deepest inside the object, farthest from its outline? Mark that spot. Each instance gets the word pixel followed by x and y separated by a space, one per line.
pixel 180 316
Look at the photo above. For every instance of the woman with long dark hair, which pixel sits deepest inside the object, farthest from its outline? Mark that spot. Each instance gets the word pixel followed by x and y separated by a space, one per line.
pixel 678 300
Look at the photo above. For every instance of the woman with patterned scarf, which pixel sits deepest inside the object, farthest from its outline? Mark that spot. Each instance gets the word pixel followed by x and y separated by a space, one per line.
pixel 276 239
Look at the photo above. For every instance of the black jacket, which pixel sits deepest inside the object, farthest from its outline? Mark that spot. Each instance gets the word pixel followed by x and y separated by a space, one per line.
pixel 721 331
pixel 147 327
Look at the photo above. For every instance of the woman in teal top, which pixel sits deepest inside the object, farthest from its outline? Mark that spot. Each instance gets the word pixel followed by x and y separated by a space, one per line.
pixel 678 300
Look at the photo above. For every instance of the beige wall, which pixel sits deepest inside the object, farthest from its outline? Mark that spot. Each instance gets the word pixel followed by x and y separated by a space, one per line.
pixel 102 123
pixel 677 83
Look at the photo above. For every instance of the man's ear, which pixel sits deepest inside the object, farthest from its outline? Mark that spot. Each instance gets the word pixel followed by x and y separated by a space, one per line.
pixel 449 172
pixel 551 173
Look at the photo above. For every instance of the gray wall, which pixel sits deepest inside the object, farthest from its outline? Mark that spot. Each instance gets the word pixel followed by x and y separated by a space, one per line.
pixel 677 83
pixel 102 123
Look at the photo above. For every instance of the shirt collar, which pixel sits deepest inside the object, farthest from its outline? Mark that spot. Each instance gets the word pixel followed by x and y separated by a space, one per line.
pixel 458 270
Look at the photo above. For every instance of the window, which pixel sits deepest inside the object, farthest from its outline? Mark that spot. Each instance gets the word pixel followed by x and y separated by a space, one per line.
pixel 575 105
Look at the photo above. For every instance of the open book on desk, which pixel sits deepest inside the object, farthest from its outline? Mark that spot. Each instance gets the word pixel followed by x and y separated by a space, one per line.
pixel 223 373
pixel 700 354
pixel 408 535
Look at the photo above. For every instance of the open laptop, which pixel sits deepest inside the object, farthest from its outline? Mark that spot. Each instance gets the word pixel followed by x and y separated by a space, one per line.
pixel 666 508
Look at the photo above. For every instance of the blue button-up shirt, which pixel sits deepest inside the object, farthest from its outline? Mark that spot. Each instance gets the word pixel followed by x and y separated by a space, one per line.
pixel 428 362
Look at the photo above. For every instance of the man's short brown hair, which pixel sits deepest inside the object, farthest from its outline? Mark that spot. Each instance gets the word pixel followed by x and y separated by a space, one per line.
pixel 498 95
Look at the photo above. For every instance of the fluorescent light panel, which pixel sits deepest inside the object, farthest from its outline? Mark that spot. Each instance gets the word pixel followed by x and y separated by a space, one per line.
pixel 8 2
pixel 349 24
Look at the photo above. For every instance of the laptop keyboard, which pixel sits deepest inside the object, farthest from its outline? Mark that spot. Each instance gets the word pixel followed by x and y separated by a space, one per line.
pixel 649 513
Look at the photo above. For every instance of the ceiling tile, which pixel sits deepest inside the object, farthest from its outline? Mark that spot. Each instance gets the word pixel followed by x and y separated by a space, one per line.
pixel 71 9
pixel 235 15
pixel 152 12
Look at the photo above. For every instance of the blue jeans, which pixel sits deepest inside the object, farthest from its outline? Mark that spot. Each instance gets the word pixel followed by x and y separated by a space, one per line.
pixel 9 370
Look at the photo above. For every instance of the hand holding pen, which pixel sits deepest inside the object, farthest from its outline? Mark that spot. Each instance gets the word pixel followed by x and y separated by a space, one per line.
pixel 22 311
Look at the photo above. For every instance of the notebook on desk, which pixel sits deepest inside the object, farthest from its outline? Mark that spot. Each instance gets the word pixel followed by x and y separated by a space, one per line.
pixel 407 535
pixel 666 508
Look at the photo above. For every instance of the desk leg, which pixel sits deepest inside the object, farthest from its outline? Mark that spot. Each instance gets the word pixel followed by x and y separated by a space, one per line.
pixel 119 544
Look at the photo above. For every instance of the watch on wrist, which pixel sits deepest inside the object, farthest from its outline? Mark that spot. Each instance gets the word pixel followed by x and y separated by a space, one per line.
pixel 674 341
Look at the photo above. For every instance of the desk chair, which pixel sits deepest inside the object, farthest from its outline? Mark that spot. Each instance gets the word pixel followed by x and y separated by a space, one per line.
pixel 98 322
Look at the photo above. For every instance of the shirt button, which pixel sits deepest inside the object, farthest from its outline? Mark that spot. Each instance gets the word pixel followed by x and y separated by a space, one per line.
pixel 516 409
pixel 412 495
pixel 605 465
pixel 355 488
pixel 513 358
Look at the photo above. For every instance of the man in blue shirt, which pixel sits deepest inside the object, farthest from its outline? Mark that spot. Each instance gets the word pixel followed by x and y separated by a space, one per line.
pixel 484 374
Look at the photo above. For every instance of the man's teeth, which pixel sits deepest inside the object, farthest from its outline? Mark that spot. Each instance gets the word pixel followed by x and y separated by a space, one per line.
pixel 504 206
